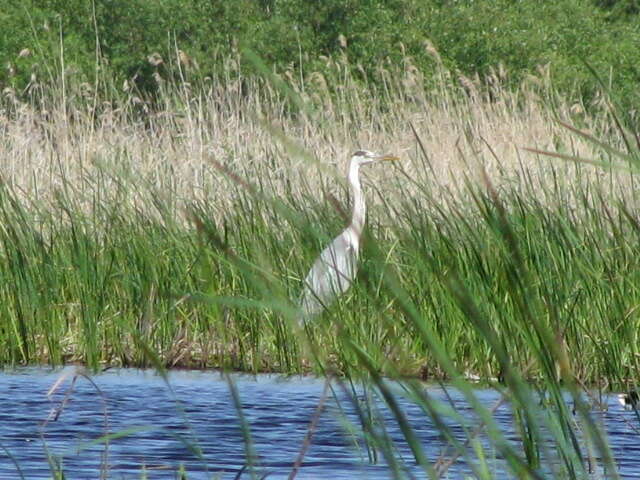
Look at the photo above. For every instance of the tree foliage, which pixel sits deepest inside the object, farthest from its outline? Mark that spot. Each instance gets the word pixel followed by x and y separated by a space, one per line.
pixel 115 39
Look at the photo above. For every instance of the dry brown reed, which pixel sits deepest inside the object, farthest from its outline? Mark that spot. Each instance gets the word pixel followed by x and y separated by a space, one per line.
pixel 58 139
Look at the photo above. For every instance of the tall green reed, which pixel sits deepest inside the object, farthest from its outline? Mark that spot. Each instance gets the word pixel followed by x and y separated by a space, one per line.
pixel 180 237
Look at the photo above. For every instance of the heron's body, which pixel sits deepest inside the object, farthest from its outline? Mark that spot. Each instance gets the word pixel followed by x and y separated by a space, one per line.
pixel 333 272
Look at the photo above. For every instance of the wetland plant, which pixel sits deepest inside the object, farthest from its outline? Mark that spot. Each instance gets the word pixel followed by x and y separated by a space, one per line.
pixel 178 237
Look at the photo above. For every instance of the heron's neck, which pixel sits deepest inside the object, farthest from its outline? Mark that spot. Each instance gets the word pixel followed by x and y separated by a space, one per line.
pixel 357 197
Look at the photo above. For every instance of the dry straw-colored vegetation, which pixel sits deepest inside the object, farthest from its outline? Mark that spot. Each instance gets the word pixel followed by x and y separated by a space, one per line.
pixel 294 134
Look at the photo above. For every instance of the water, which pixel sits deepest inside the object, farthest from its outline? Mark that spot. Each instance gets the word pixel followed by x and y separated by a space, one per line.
pixel 161 434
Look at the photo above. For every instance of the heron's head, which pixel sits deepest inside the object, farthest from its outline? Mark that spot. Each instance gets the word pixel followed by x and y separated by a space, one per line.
pixel 364 157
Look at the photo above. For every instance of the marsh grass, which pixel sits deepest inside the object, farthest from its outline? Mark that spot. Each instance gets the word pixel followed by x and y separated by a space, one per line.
pixel 177 234
pixel 187 225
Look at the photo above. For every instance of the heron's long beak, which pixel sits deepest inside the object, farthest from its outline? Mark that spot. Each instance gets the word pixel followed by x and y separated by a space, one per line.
pixel 388 158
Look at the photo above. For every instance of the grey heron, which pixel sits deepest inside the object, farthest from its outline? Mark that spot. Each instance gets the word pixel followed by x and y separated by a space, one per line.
pixel 335 269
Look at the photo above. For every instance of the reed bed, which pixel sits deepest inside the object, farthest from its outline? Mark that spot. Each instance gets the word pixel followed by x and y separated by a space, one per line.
pixel 186 225
pixel 176 233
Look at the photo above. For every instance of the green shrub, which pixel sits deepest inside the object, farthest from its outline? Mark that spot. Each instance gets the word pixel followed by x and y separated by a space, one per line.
pixel 115 38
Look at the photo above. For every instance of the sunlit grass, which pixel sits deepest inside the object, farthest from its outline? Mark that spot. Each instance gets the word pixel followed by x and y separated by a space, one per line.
pixel 177 234
pixel 190 227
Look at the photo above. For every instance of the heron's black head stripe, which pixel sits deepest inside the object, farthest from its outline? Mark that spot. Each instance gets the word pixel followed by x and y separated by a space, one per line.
pixel 360 153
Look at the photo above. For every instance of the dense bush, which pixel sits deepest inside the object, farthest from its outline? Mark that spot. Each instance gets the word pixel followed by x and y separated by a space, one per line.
pixel 114 38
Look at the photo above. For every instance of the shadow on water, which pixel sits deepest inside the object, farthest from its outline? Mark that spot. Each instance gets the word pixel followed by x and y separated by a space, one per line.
pixel 197 428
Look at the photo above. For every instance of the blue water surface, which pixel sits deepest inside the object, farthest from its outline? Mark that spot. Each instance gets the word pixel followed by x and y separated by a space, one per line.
pixel 191 422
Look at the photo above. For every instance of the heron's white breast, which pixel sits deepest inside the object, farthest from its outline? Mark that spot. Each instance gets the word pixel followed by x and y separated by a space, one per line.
pixel 352 239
